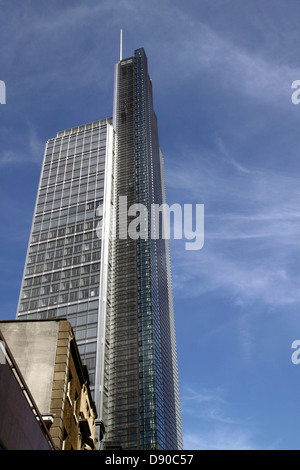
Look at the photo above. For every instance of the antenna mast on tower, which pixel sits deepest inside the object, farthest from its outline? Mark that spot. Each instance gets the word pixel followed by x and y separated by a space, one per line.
pixel 120 44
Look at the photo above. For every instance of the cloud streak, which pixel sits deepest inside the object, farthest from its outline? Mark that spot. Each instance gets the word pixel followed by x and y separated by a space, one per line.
pixel 243 71
pixel 19 150
pixel 220 439
pixel 216 430
pixel 252 228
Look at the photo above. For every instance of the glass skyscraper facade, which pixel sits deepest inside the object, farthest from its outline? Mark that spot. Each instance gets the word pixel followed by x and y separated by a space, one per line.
pixel 115 289
pixel 63 265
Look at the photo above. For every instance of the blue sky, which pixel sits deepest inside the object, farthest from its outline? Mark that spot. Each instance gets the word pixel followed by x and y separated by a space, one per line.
pixel 222 72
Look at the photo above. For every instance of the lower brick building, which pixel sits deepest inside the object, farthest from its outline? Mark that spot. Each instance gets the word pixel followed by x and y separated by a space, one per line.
pixel 49 361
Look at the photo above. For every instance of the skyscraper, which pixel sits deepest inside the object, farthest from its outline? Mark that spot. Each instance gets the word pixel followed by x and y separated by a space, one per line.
pixel 88 260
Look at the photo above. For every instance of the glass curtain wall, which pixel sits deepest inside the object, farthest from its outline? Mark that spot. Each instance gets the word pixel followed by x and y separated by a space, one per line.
pixel 63 265
pixel 143 392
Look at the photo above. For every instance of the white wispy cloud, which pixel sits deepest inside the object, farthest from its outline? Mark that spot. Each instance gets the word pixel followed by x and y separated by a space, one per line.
pixel 191 395
pixel 203 49
pixel 246 72
pixel 216 430
pixel 219 439
pixel 243 280
pixel 21 149
pixel 252 226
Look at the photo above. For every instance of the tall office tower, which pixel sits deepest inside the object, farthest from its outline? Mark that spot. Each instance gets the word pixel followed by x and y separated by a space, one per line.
pixel 95 258
pixel 64 275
